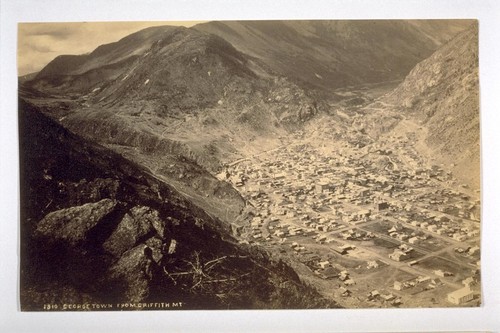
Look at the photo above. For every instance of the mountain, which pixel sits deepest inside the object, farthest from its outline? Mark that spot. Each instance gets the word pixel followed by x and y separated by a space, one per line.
pixel 222 91
pixel 99 229
pixel 129 47
pixel 27 77
pixel 442 92
pixel 189 103
pixel 331 54
pixel 184 102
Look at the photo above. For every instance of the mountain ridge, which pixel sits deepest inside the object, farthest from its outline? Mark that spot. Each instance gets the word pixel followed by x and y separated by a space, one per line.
pixel 442 92
pixel 336 50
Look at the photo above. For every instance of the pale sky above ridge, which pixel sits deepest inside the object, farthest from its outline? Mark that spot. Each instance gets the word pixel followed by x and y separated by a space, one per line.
pixel 39 43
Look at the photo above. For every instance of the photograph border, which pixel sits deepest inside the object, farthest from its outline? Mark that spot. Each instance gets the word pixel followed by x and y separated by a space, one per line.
pixel 483 318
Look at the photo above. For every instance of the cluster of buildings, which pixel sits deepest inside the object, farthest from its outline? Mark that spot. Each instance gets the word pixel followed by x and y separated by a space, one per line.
pixel 300 192
pixel 418 284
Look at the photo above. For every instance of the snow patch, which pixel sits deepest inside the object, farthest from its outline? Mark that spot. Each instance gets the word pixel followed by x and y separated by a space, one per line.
pixel 96 89
pixel 146 82
pixel 126 76
pixel 318 76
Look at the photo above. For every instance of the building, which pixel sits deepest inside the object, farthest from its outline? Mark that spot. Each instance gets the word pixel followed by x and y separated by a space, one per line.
pixel 439 272
pixel 399 285
pixel 382 205
pixel 460 296
pixel 469 282
pixel 329 273
pixel 344 292
pixel 324 264
pixel 323 186
pixel 398 255
pixel 413 240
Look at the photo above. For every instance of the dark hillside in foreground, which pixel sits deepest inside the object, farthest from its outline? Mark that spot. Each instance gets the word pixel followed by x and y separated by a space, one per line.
pixel 96 228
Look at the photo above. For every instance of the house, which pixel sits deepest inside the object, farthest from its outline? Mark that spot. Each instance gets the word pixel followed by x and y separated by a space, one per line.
pixel 344 275
pixel 344 292
pixel 388 297
pixel 399 285
pixel 460 296
pixel 395 228
pixel 422 279
pixel 321 238
pixel 382 205
pixel 435 282
pixel 442 274
pixel 439 272
pixel 339 250
pixel 349 282
pixel 441 231
pixel 459 237
pixel 347 247
pixel 413 240
pixel 365 213
pixel 405 248
pixel 329 273
pixel 321 187
pixel 473 250
pixel 397 302
pixel 469 282
pixel 324 264
pixel 373 294
pixel 413 262
pixel 432 228
pixel 398 255
pixel 473 233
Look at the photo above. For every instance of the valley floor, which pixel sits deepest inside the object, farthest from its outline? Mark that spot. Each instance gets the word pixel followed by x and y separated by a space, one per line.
pixel 370 223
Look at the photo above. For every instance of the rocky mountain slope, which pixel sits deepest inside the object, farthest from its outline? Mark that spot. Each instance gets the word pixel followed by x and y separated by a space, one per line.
pixel 171 98
pixel 442 92
pixel 100 64
pixel 331 54
pixel 98 229
pixel 188 103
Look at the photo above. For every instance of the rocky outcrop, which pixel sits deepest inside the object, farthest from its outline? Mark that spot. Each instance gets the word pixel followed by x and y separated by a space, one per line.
pixel 73 224
pixel 133 272
pixel 135 226
pixel 135 239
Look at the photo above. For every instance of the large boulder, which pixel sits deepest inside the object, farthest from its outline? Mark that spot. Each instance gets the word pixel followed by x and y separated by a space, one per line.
pixel 132 274
pixel 72 224
pixel 139 223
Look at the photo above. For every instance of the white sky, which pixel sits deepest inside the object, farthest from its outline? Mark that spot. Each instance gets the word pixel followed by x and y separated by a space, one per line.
pixel 39 43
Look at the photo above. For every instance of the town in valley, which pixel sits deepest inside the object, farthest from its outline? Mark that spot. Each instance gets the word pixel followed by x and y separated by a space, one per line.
pixel 370 224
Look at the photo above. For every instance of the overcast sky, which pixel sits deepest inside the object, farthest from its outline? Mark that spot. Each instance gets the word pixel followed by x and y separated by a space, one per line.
pixel 39 43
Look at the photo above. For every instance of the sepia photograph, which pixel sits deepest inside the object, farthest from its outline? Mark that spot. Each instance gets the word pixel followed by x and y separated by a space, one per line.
pixel 250 164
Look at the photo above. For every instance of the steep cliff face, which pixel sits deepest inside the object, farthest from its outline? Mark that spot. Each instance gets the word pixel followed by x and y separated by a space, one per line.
pixel 97 228
pixel 442 92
